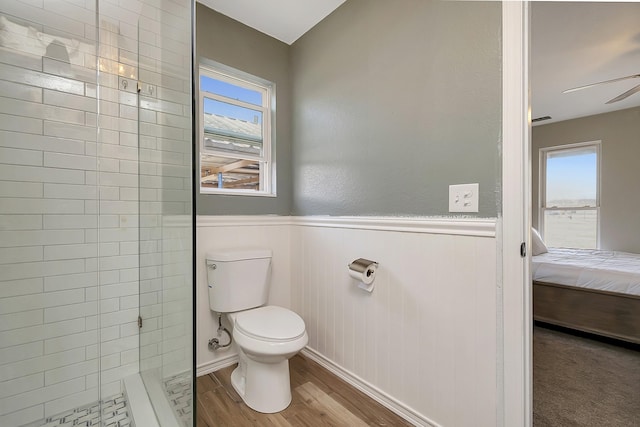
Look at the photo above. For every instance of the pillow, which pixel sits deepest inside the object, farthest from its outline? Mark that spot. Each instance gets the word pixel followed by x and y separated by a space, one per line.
pixel 537 245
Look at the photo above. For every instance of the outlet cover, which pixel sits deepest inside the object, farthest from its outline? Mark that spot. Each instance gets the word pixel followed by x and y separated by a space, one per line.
pixel 463 197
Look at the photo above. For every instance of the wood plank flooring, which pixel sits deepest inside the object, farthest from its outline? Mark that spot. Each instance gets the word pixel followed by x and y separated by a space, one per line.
pixel 319 398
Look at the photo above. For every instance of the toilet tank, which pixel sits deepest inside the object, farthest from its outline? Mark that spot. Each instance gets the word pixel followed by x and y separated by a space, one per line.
pixel 238 279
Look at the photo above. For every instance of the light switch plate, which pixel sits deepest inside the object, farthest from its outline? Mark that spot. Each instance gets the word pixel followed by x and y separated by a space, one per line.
pixel 463 197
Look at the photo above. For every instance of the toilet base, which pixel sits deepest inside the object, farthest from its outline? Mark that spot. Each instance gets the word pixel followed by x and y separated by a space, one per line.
pixel 264 387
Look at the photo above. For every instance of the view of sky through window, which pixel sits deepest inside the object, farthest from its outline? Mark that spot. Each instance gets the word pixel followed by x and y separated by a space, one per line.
pixel 570 210
pixel 572 178
pixel 230 90
pixel 208 84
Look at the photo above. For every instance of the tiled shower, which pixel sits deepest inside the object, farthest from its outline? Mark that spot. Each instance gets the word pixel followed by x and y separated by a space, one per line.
pixel 95 213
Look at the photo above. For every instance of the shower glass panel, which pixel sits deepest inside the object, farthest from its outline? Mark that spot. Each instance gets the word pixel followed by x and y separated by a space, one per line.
pixel 49 299
pixel 95 212
pixel 166 221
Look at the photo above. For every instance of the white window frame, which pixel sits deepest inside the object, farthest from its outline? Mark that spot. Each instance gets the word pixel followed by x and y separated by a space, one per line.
pixel 215 70
pixel 542 185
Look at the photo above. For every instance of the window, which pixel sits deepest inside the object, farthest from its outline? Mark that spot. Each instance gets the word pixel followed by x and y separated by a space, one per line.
pixel 236 113
pixel 569 195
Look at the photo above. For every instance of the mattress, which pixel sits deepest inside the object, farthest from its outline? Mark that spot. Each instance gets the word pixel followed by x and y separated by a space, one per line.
pixel 603 270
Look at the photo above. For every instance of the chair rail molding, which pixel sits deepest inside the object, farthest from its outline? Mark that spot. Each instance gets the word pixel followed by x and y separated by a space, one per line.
pixel 478 227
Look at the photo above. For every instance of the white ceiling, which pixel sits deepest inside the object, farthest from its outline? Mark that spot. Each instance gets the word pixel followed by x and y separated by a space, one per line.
pixel 575 44
pixel 285 20
pixel 572 44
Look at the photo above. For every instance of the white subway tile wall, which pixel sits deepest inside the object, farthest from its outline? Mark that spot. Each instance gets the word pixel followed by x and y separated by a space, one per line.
pixel 95 207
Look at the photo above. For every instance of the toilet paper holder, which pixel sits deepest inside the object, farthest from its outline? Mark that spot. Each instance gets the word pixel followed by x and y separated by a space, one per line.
pixel 364 271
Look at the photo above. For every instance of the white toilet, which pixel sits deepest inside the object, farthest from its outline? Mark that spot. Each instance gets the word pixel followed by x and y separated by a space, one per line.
pixel 267 336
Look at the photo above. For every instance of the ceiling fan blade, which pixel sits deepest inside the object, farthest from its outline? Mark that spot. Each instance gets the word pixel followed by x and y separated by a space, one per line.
pixel 634 76
pixel 624 95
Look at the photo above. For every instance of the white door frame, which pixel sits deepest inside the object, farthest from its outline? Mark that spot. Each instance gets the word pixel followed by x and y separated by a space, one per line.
pixel 514 224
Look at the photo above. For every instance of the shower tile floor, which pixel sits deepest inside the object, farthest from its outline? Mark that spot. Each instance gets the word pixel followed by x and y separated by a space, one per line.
pixel 115 413
pixel 178 389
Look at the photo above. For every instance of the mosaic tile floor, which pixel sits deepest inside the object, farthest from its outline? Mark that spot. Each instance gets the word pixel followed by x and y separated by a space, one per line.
pixel 115 413
pixel 178 389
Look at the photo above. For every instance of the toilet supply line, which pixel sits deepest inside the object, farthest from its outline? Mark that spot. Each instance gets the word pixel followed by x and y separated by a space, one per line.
pixel 214 343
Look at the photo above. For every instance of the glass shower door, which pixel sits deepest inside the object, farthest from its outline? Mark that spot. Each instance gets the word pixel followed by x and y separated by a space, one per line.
pixel 165 203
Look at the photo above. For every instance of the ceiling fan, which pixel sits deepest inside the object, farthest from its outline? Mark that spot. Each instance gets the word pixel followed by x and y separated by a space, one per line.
pixel 620 97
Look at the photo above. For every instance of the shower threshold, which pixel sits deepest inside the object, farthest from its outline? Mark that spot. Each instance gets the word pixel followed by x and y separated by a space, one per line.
pixel 115 413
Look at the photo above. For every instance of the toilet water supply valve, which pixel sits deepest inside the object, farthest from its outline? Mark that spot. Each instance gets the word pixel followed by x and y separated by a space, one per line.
pixel 214 343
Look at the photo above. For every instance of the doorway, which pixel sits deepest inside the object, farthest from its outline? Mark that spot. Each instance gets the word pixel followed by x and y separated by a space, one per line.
pixel 572 379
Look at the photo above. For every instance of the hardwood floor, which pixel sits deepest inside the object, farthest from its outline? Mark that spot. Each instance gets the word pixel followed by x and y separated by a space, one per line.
pixel 319 398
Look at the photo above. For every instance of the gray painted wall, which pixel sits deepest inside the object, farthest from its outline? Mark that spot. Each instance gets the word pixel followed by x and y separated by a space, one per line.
pixel 619 196
pixel 394 101
pixel 229 42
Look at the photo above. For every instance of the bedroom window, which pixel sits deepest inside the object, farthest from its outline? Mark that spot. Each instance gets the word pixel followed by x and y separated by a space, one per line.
pixel 569 195
pixel 236 113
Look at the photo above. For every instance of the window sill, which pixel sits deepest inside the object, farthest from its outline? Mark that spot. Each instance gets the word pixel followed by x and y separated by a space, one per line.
pixel 250 193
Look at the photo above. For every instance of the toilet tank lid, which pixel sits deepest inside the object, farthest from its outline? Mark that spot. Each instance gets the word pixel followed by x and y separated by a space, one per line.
pixel 238 254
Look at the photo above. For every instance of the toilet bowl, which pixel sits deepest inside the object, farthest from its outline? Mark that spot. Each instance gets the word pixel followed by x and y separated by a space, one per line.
pixel 267 337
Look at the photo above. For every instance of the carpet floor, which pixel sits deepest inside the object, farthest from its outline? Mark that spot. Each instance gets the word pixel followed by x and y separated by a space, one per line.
pixel 578 381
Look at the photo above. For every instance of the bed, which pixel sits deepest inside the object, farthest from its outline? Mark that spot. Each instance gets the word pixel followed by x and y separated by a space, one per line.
pixel 588 290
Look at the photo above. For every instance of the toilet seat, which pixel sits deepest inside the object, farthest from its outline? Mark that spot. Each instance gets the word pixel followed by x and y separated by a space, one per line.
pixel 270 323
pixel 269 332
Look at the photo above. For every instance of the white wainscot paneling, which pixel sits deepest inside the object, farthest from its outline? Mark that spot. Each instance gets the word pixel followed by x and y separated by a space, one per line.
pixel 424 341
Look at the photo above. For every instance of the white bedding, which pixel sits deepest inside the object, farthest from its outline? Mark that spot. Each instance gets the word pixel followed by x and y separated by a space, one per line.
pixel 605 270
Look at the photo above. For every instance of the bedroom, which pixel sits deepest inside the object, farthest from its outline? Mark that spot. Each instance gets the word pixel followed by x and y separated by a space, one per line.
pixel 603 203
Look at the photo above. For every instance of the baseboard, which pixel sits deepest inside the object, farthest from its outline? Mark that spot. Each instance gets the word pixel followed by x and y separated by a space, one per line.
pixel 207 368
pixel 373 392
